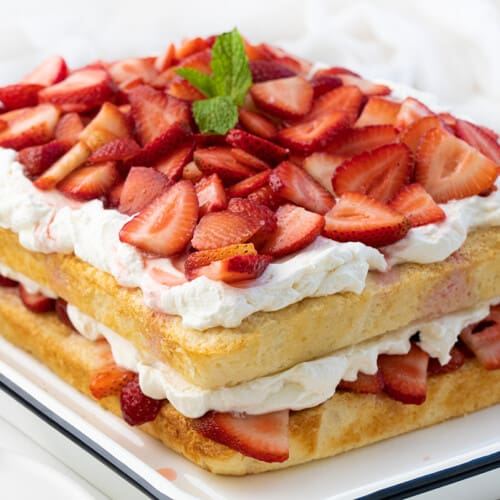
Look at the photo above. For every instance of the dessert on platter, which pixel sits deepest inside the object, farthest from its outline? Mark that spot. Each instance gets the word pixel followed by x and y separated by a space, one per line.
pixel 258 260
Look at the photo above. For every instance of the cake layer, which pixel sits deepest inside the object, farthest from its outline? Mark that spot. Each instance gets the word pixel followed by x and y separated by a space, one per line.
pixel 344 422
pixel 269 342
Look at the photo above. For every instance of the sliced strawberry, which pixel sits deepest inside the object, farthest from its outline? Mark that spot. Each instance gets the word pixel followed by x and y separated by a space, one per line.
pixel 368 88
pixel 166 59
pixel 379 173
pixel 30 127
pixel 357 217
pixel 448 168
pixel 264 149
pixel 174 162
pixel 140 70
pixel 142 186
pixel 321 167
pixel 3 125
pixel 257 124
pixel 264 437
pixel 347 99
pixel 35 301
pixel 286 97
pixel 354 141
pixel 49 72
pixel 296 228
pixel 7 282
pixel 219 160
pixel 410 111
pixel 154 112
pixel 182 89
pixel 262 71
pixel 295 184
pixel 458 358
pixel 37 159
pixel 20 95
pixel 108 380
pixel 207 140
pixel 405 375
pixel 249 160
pixel 61 308
pixel 364 384
pixel 211 194
pixel 412 135
pixel 166 225
pixel 378 111
pixel 190 47
pixel 117 150
pixel 477 138
pixel 220 229
pixel 417 205
pixel 89 182
pixel 323 83
pixel 448 119
pixel 336 70
pixel 82 91
pixel 248 185
pixel 313 134
pixel 191 172
pixel 137 408
pixel 115 194
pixel 266 196
pixel 69 128
pixel 483 339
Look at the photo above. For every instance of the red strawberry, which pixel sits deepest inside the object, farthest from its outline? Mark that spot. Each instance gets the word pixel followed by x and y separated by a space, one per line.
pixel 336 70
pixel 166 225
pixel 35 301
pixel 323 83
pixel 364 384
pixel 347 99
pixel 115 194
pixel 119 149
pixel 262 71
pixel 256 146
pixel 182 89
pixel 62 312
pixel 191 172
pixel 313 134
pixel 69 128
pixel 321 167
pixel 286 97
pixel 483 339
pixel 405 375
pixel 190 47
pixel 248 185
pixel 354 141
pixel 295 184
pixel 448 119
pixel 137 408
pixel 296 228
pixel 257 124
pixel 7 282
pixel 249 160
pixel 141 187
pixel 264 437
pixel 154 112
pixel 166 59
pixel 30 127
pixel 3 125
pixel 378 111
pixel 82 91
pixel 211 194
pixel 367 87
pixel 458 358
pixel 89 182
pixel 108 380
pixel 141 70
pixel 207 140
pixel 20 95
pixel 356 217
pixel 51 71
pixel 417 205
pixel 410 111
pixel 37 159
pixel 266 196
pixel 220 229
pixel 219 160
pixel 379 173
pixel 412 135
pixel 477 138
pixel 448 168
pixel 174 162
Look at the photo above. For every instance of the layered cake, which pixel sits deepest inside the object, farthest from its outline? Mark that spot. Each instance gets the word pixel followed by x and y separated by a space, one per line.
pixel 257 260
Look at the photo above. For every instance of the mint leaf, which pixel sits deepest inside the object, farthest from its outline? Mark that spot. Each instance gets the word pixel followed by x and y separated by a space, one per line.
pixel 200 80
pixel 231 71
pixel 216 115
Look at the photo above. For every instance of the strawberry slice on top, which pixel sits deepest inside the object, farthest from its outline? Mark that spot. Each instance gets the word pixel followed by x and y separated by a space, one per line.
pixel 49 72
pixel 357 217
pixel 478 138
pixel 211 194
pixel 410 111
pixel 219 160
pixel 257 124
pixel 37 159
pixel 448 168
pixel 19 95
pixel 378 111
pixel 262 148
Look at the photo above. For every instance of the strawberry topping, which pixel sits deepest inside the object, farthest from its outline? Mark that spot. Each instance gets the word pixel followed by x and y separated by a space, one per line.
pixel 364 384
pixel 108 380
pixel 257 124
pixel 262 71
pixel 36 302
pixel 137 408
pixel 219 160
pixel 378 111
pixel 256 146
pixel 37 159
pixel 49 72
pixel 211 194
pixel 20 95
pixel 478 138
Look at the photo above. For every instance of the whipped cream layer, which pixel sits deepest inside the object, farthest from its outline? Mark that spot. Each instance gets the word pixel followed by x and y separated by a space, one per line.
pixel 49 222
pixel 302 386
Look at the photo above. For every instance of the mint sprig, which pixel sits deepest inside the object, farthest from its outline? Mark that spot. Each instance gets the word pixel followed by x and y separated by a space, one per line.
pixel 225 88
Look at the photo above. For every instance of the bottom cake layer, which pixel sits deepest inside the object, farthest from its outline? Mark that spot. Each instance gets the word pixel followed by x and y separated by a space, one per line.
pixel 344 422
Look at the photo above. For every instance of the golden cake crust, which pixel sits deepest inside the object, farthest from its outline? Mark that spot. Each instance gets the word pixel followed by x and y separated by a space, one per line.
pixel 269 342
pixel 344 422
